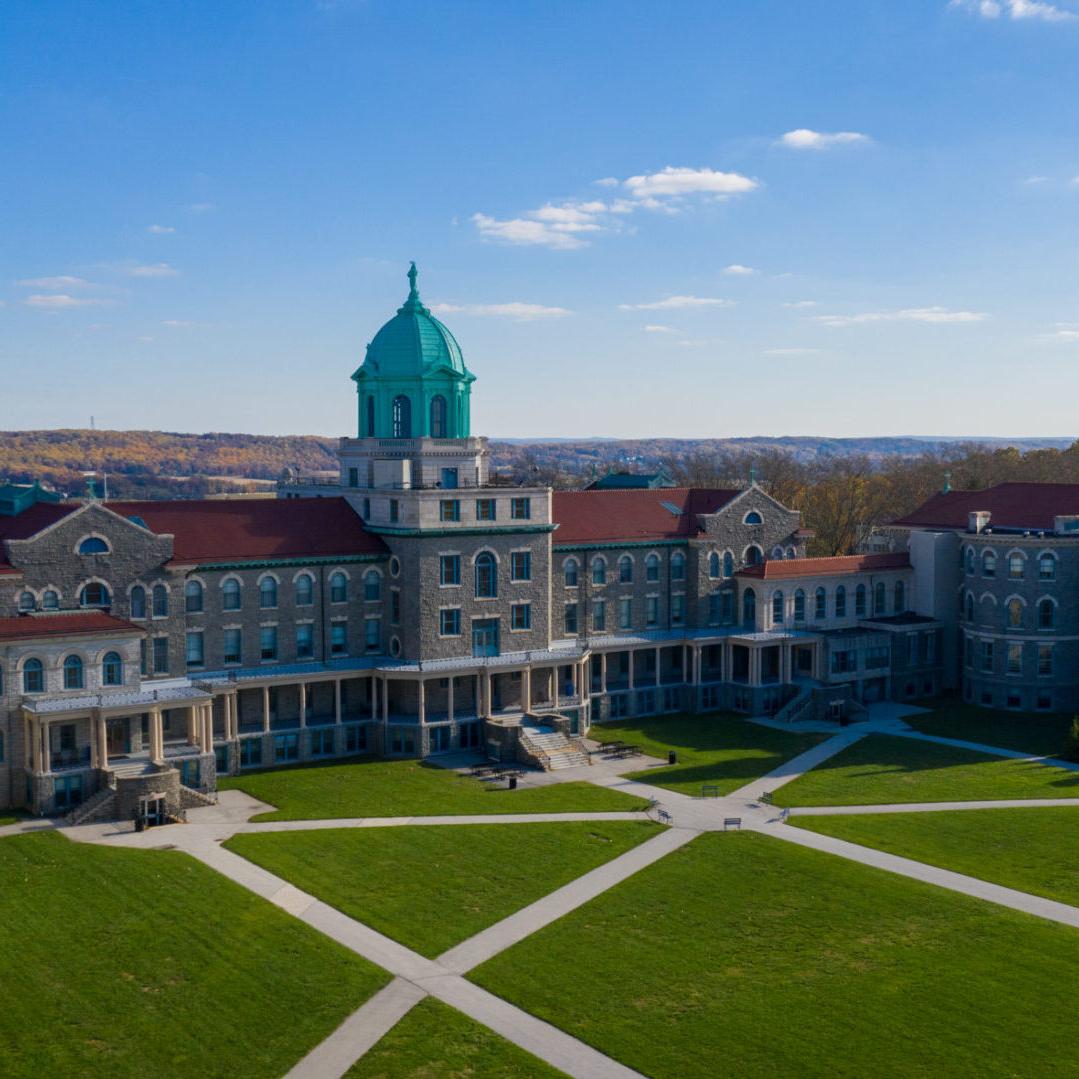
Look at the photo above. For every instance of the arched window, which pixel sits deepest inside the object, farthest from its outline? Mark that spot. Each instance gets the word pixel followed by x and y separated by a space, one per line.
pixel 1017 564
pixel 50 600
pixel 339 586
pixel 401 411
pixel 1015 613
pixel 713 564
pixel 370 416
pixel 651 568
pixel 791 552
pixel 33 676
pixel 970 560
pixel 989 564
pixel 72 672
pixel 753 518
pixel 799 605
pixel 487 575
pixel 777 553
pixel 728 564
pixel 625 569
pixel 880 598
pixel 231 596
pixel 1047 567
pixel 94 594
pixel 900 597
pixel 749 608
pixel 569 571
pixel 305 590
pixel 372 585
pixel 599 570
pixel 193 597
pixel 678 566
pixel 859 601
pixel 112 669
pixel 1047 610
pixel 820 603
pixel 27 601
pixel 754 555
pixel 138 602
pixel 970 607
pixel 438 416
pixel 93 545
pixel 268 592
pixel 840 602
pixel 160 597
pixel 777 608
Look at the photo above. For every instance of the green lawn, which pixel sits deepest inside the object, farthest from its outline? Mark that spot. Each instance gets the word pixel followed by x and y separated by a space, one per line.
pixel 431 887
pixel 1032 850
pixel 435 1041
pixel 380 788
pixel 884 768
pixel 741 955
pixel 138 963
pixel 721 750
pixel 1036 734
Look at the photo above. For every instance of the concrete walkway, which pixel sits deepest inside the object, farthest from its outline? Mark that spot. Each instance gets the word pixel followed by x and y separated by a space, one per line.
pixel 31 824
pixel 993 751
pixel 931 807
pixel 401 822
pixel 798 766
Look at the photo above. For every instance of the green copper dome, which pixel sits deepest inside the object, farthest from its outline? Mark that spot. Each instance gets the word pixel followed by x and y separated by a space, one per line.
pixel 413 342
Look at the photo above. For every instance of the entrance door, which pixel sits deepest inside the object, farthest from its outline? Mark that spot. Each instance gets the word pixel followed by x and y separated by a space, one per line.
pixel 116 736
pixel 155 812
pixel 485 637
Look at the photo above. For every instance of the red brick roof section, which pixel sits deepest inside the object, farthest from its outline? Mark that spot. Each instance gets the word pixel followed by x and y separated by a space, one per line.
pixel 251 529
pixel 632 516
pixel 779 568
pixel 32 627
pixel 1011 505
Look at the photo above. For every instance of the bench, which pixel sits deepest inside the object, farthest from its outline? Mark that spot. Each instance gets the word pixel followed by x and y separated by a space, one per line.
pixel 663 816
pixel 732 822
pixel 709 790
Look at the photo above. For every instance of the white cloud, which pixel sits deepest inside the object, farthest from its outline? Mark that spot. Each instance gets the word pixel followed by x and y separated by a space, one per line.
pixel 61 281
pixel 738 270
pixel 678 182
pixel 522 312
pixel 804 139
pixel 800 303
pixel 160 230
pixel 59 301
pixel 202 207
pixel 1032 180
pixel 607 181
pixel 155 269
pixel 692 342
pixel 653 327
pixel 1065 331
pixel 527 232
pixel 791 351
pixel 908 314
pixel 673 302
pixel 173 323
pixel 1015 9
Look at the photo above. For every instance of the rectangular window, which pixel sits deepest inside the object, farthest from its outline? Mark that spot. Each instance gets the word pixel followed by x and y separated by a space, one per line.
pixel 1045 659
pixel 570 620
pixel 678 610
pixel 625 613
pixel 367 509
pixel 233 646
pixel 449 569
pixel 449 479
pixel 599 614
pixel 338 638
pixel 987 656
pixel 250 752
pixel 876 658
pixel 394 511
pixel 268 642
pixel 726 606
pixel 521 616
pixel 1043 702
pixel 353 477
pixel 485 509
pixel 286 747
pixel 161 655
pixel 651 609
pixel 844 662
pixel 449 622
pixel 859 602
pixel 521 566
pixel 521 509
pixel 305 641
pixel 449 509
pixel 142 657
pixel 372 634
pixel 929 647
pixel 912 649
pixel 194 653
pixel 322 742
pixel 355 739
pixel 1015 659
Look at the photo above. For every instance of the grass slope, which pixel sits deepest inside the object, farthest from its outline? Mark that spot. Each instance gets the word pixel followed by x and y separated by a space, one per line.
pixel 437 1040
pixel 883 768
pixel 1032 850
pixel 432 887
pixel 742 955
pixel 379 788
pixel 1036 734
pixel 138 963
pixel 722 750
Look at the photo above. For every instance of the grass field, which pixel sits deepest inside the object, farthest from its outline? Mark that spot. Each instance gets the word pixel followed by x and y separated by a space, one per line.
pixel 884 768
pixel 378 788
pixel 1036 734
pixel 722 750
pixel 435 1041
pixel 741 955
pixel 137 963
pixel 1032 850
pixel 432 887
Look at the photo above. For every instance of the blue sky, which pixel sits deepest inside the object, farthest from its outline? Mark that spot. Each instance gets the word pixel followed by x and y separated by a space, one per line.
pixel 639 219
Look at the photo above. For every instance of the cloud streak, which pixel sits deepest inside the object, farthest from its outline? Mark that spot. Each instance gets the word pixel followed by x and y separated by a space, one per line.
pixel 1035 10
pixel 803 138
pixel 61 281
pixel 61 301
pixel 520 312
pixel 935 315
pixel 672 303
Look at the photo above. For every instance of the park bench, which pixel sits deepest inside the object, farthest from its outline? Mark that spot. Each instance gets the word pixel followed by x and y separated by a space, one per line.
pixel 709 790
pixel 732 822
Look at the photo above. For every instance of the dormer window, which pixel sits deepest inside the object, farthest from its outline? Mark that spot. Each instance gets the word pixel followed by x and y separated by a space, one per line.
pixel 93 545
pixel 753 518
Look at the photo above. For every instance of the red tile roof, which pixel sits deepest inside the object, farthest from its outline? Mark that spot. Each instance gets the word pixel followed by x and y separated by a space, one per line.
pixel 29 523
pixel 780 568
pixel 632 516
pixel 29 627
pixel 1011 505
pixel 250 529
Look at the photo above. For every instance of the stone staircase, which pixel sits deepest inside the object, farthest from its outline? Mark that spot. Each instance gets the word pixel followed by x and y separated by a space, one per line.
pixel 192 799
pixel 132 768
pixel 798 707
pixel 551 749
pixel 98 807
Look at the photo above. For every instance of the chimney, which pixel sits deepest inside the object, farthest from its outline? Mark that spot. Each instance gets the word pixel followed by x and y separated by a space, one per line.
pixel 977 520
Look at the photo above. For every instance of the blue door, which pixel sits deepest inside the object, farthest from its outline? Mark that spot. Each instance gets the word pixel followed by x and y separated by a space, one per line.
pixel 485 637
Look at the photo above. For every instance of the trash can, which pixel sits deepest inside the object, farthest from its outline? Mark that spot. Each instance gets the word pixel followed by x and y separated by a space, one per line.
pixel 672 757
pixel 512 783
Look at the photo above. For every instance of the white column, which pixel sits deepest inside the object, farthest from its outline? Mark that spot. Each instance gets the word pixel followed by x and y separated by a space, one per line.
pixel 207 745
pixel 487 699
pixel 631 668
pixel 192 728
pixel 266 709
pixel 157 737
pixel 385 700
pixel 603 672
pixel 421 702
pixel 303 705
pixel 554 687
pixel 372 688
pixel 35 734
pixel 337 700
pixel 102 735
pixel 449 697
pixel 659 664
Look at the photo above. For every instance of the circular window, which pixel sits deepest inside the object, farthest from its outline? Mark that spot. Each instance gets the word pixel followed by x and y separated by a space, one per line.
pixel 395 567
pixel 395 646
